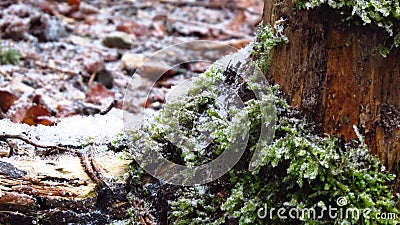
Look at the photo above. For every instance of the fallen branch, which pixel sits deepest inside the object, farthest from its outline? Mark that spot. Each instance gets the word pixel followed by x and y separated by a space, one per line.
pixel 4 137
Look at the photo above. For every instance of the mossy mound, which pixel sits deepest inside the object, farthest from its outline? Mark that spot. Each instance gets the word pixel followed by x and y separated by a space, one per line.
pixel 302 178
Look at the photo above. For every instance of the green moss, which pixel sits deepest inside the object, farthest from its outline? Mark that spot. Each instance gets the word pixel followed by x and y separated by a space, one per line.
pixel 299 170
pixel 194 206
pixel 382 13
pixel 9 56
pixel 266 39
pixel 305 171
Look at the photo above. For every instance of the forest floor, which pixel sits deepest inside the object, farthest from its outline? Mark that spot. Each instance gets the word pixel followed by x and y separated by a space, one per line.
pixel 67 90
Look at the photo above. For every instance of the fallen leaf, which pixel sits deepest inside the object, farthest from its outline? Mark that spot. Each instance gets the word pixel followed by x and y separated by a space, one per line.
pixel 37 114
pixel 7 99
pixel 38 100
pixel 159 29
pixel 74 2
pixel 133 27
pixel 93 64
pixel 100 95
pixel 237 23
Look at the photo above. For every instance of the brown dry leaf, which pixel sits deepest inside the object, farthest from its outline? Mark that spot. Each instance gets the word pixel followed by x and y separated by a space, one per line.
pixel 74 2
pixel 238 43
pixel 37 114
pixel 159 29
pixel 237 23
pixel 7 99
pixel 98 94
pixel 132 27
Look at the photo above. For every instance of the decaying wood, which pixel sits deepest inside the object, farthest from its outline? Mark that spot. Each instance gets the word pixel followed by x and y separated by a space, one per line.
pixel 61 189
pixel 333 72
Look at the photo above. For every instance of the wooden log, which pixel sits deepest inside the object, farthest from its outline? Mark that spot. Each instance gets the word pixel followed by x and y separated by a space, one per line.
pixel 57 190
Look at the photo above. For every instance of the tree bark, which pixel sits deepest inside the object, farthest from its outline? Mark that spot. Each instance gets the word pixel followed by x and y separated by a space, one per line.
pixel 333 72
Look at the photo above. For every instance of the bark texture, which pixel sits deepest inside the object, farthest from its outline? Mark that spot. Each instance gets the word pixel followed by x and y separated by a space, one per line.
pixel 333 72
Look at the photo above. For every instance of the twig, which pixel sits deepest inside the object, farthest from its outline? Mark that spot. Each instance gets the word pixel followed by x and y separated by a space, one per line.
pixel 108 109
pixel 4 137
pixel 89 170
pixel 95 169
pixel 12 145
pixel 92 77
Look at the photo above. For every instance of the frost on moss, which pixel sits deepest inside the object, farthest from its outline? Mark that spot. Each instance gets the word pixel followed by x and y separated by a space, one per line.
pixel 383 13
pixel 299 170
pixel 267 37
pixel 304 171
pixel 194 206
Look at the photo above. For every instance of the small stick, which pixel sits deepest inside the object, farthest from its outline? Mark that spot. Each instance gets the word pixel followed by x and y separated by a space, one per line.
pixel 46 66
pixel 25 139
pixel 92 77
pixel 89 170
pixel 108 109
pixel 95 169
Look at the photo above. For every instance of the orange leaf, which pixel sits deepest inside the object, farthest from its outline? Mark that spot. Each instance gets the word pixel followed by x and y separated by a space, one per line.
pixel 74 2
pixel 35 115
pixel 6 100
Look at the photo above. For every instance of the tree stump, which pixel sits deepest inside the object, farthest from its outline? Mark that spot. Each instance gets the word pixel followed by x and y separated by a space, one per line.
pixel 333 72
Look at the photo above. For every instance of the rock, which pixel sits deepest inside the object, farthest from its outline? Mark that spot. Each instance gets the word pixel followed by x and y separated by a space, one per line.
pixel 105 78
pixel 131 61
pixel 151 68
pixel 87 9
pixel 79 40
pixel 18 87
pixel 55 30
pixel 154 69
pixel 118 39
